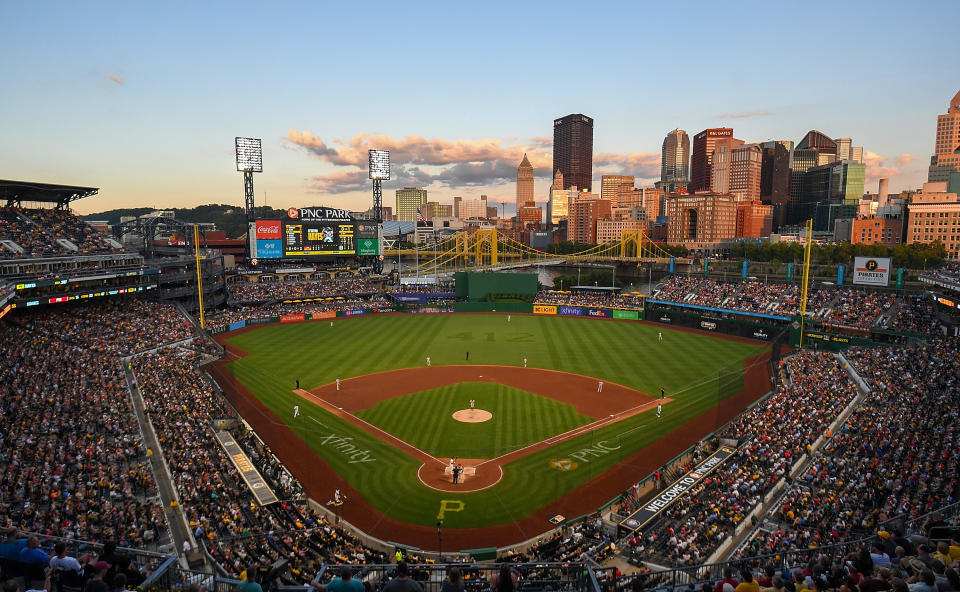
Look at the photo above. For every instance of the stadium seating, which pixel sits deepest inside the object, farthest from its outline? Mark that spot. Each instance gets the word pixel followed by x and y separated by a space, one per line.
pixel 265 291
pixel 73 464
pixel 39 233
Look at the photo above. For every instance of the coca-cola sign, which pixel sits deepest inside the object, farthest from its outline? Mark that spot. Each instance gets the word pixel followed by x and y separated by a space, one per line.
pixel 267 229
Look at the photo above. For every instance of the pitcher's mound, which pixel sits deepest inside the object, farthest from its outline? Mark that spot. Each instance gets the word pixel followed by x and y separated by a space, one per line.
pixel 472 415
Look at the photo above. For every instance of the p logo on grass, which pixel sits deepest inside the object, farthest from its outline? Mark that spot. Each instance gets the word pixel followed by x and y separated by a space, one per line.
pixel 449 506
pixel 563 464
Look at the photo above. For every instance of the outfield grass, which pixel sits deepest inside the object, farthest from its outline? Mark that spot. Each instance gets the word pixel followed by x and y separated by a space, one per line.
pixel 520 418
pixel 686 364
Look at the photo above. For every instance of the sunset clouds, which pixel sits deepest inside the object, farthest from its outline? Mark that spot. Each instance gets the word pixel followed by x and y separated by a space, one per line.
pixel 878 167
pixel 423 161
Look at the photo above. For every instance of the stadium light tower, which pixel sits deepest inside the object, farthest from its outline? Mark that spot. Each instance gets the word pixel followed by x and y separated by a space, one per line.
pixel 379 171
pixel 249 161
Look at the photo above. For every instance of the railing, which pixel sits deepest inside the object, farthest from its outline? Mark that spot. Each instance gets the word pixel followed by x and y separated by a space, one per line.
pixel 475 576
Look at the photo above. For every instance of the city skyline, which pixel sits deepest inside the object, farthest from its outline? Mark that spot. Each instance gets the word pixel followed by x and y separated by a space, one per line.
pixel 146 103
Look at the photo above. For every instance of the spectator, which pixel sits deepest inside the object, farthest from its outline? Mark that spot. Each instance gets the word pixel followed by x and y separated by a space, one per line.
pixel 403 582
pixel 453 582
pixel 97 583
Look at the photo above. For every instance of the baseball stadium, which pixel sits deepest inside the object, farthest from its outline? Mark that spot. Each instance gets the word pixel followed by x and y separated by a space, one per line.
pixel 174 417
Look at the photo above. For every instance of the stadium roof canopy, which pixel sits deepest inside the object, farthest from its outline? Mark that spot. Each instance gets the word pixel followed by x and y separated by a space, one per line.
pixel 14 193
pixel 392 227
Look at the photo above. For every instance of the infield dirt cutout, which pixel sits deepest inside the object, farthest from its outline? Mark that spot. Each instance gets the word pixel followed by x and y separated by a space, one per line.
pixel 615 403
pixel 472 415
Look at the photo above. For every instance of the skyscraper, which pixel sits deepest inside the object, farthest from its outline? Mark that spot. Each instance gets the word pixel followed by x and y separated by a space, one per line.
pixel 610 186
pixel 573 150
pixel 946 158
pixel 775 178
pixel 559 200
pixel 524 183
pixel 409 200
pixel 675 161
pixel 745 169
pixel 704 145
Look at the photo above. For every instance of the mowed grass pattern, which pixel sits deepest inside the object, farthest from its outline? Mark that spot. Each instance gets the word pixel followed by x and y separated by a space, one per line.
pixel 686 364
pixel 425 419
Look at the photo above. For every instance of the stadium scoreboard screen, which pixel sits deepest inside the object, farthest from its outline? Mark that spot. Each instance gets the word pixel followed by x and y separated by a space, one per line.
pixel 312 233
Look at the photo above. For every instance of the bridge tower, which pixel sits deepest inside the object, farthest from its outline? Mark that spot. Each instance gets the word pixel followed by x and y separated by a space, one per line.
pixel 631 238
pixel 486 238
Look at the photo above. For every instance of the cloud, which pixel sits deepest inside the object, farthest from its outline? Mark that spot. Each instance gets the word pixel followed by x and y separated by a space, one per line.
pixel 115 78
pixel 743 115
pixel 639 164
pixel 416 160
pixel 877 167
pixel 458 164
pixel 905 159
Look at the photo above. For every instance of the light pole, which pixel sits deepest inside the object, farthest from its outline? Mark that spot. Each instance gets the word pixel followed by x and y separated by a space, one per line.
pixel 440 538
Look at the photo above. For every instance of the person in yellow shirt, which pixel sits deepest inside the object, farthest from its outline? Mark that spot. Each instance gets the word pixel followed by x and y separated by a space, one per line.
pixel 943 553
pixel 747 582
pixel 955 549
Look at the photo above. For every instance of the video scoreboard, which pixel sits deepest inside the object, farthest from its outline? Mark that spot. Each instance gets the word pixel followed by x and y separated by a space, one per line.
pixel 313 233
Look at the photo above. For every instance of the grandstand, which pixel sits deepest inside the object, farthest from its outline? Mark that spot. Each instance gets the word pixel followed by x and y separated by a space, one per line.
pixel 112 435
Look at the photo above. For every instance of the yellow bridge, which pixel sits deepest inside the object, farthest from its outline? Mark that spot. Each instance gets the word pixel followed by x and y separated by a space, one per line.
pixel 489 250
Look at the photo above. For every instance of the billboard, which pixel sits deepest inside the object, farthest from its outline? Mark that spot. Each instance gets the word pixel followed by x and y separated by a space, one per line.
pixel 548 309
pixel 871 271
pixel 633 315
pixel 601 313
pixel 315 232
pixel 367 239
pixel 575 311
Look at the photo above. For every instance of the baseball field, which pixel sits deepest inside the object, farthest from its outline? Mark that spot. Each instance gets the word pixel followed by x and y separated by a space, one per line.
pixel 537 440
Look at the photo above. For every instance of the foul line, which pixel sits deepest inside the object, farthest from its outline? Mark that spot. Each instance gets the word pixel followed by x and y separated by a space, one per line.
pixel 354 420
pixel 583 429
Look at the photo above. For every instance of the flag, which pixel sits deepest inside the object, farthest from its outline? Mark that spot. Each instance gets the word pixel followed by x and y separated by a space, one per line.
pixel 420 217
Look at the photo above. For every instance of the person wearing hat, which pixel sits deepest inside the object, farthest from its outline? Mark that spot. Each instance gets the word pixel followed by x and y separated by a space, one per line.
pixel 97 584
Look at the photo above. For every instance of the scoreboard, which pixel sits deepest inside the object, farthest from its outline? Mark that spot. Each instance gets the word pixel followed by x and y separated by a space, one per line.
pixel 313 233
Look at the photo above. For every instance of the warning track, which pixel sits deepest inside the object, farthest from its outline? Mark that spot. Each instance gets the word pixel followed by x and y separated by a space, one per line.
pixel 318 478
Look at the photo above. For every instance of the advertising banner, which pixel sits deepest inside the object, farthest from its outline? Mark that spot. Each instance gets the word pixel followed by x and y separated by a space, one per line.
pixel 268 229
pixel 269 249
pixel 677 489
pixel 325 314
pixel 575 311
pixel 633 315
pixel 871 271
pixel 251 476
pixel 413 298
pixel 368 246
pixel 600 313
pixel 840 270
pixel 292 318
pixel 353 312
pixel 236 325
pixel 708 325
pixel 547 309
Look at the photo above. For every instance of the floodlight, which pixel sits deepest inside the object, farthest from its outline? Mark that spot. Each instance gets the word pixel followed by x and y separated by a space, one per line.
pixel 249 155
pixel 380 164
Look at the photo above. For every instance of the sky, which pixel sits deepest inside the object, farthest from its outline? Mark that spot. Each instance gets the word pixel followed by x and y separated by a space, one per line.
pixel 144 99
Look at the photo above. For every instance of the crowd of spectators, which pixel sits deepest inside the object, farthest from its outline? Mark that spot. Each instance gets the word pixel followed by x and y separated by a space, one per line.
pixel 948 272
pixel 832 305
pixel 223 317
pixel 37 231
pixel 628 300
pixel 771 438
pixel 182 405
pixel 263 291
pixel 72 463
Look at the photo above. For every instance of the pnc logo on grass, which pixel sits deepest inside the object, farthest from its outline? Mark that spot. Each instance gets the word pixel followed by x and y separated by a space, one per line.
pixel 563 464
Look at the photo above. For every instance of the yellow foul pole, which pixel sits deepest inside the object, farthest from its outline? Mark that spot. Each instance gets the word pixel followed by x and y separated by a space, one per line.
pixel 196 246
pixel 806 278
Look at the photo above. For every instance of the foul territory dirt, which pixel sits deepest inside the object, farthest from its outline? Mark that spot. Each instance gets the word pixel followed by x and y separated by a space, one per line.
pixel 319 480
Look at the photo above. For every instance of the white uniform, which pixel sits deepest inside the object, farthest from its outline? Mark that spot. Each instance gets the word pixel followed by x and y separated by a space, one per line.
pixel 600 387
pixel 524 362
pixel 428 361
pixel 472 401
pixel 338 384
pixel 660 335
pixel 659 410
pixel 296 410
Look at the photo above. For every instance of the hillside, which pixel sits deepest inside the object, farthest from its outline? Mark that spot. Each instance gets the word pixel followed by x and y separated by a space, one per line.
pixel 228 218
